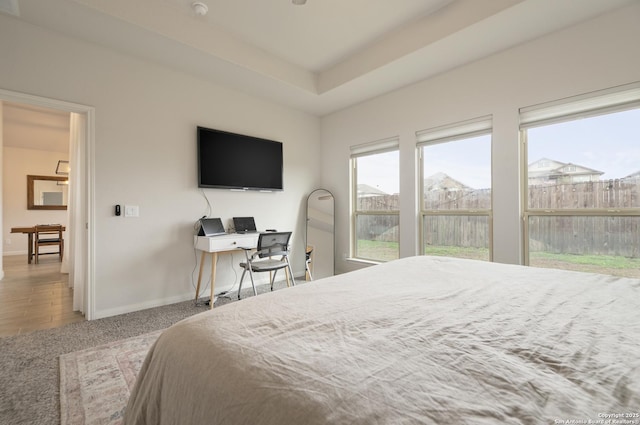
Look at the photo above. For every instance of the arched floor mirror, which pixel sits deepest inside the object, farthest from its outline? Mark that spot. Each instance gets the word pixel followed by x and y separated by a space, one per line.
pixel 320 234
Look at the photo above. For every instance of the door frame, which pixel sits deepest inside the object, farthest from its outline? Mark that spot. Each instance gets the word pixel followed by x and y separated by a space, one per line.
pixel 89 161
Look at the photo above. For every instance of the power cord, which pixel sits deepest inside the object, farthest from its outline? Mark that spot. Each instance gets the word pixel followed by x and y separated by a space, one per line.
pixel 193 284
pixel 196 228
pixel 209 209
pixel 235 280
pixel 206 286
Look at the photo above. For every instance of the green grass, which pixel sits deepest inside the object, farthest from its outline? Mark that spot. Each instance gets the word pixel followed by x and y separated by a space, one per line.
pixel 457 251
pixel 606 261
pixel 386 251
pixel 605 264
pixel 377 250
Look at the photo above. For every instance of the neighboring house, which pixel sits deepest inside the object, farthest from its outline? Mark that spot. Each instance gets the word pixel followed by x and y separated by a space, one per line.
pixel 442 181
pixel 549 171
pixel 632 177
pixel 366 191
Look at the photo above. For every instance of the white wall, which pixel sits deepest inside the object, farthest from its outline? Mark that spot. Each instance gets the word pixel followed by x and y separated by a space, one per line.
pixel 594 55
pixel 1 179
pixel 145 155
pixel 16 165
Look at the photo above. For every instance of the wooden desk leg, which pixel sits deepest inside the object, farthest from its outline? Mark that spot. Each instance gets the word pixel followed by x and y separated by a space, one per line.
pixel 30 249
pixel 214 261
pixel 202 258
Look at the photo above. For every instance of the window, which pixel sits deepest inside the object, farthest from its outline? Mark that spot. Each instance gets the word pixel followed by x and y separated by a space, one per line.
pixel 455 189
pixel 583 211
pixel 375 208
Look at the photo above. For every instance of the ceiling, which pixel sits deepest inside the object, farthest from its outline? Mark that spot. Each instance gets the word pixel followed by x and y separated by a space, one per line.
pixel 35 127
pixel 319 57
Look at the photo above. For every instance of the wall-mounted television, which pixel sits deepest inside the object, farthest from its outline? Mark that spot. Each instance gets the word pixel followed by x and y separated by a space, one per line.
pixel 236 161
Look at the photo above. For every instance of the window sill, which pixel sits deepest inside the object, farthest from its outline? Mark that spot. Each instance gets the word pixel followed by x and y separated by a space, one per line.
pixel 361 261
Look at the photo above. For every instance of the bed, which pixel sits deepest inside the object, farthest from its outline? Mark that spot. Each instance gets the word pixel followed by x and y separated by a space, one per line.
pixel 420 340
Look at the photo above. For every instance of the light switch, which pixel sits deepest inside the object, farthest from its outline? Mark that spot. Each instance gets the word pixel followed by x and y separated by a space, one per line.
pixel 131 211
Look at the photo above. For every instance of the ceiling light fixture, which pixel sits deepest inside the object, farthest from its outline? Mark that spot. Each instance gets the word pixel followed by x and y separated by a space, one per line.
pixel 298 2
pixel 63 167
pixel 200 8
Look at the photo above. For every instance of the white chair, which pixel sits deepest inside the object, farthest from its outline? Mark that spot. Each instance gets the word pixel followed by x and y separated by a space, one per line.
pixel 270 244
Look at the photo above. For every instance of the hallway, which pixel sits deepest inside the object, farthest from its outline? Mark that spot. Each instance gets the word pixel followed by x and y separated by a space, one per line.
pixel 34 296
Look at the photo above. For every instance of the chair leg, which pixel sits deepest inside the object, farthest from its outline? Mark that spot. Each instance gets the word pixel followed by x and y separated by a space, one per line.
pixel 273 278
pixel 241 278
pixel 252 282
pixel 293 279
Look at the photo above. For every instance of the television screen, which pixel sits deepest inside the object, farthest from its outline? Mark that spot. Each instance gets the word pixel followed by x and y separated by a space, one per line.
pixel 235 161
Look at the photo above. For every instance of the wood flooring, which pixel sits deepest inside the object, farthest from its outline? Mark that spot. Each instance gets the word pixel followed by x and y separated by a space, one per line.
pixel 34 296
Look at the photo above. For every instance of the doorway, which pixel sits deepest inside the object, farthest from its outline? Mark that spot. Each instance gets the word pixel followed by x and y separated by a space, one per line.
pixel 81 261
pixel 34 297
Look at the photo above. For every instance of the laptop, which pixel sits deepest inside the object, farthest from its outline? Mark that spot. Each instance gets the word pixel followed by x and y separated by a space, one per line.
pixel 211 227
pixel 244 224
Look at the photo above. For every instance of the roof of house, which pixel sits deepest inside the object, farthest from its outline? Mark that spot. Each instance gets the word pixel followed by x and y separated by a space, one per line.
pixel 442 181
pixel 557 168
pixel 365 190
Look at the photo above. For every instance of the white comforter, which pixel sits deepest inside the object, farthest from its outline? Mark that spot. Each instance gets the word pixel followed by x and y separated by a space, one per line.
pixel 421 340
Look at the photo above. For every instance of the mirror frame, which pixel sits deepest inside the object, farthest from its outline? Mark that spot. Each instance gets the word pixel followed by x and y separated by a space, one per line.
pixel 306 236
pixel 30 192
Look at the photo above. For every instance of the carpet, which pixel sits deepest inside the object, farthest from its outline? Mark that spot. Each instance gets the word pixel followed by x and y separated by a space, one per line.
pixel 95 383
pixel 30 363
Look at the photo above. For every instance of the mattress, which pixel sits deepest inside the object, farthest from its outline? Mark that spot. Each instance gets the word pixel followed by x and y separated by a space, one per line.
pixel 420 340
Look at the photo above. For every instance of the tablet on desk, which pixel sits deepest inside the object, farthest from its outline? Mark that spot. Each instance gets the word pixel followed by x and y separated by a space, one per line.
pixel 244 225
pixel 211 227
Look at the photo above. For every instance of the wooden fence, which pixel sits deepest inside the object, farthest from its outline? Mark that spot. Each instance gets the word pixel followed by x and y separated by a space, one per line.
pixel 610 235
pixel 604 194
pixel 618 236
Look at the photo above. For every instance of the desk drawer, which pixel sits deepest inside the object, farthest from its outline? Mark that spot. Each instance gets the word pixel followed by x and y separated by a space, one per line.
pixel 226 242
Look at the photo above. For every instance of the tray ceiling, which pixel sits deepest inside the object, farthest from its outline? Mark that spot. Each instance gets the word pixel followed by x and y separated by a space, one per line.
pixel 319 57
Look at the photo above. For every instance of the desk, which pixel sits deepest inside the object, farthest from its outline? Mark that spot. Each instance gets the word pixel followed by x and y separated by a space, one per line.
pixel 30 231
pixel 214 245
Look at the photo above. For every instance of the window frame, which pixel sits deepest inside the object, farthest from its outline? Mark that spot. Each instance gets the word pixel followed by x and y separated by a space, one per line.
pixel 480 126
pixel 589 105
pixel 358 151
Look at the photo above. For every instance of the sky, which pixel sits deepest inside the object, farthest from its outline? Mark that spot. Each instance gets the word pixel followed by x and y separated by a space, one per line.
pixel 380 171
pixel 609 143
pixel 467 160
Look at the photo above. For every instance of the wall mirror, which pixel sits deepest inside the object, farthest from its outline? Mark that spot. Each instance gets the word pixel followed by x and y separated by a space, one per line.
pixel 320 243
pixel 47 192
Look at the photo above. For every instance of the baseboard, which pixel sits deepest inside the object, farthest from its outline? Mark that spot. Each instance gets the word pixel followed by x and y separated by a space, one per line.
pixel 130 308
pixel 13 253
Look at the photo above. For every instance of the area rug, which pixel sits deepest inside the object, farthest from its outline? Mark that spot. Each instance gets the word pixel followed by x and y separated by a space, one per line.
pixel 95 383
